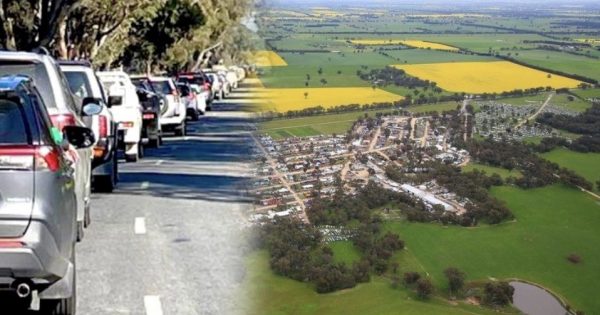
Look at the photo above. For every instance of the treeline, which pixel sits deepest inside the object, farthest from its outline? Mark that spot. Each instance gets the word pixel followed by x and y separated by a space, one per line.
pixel 320 110
pixel 554 42
pixel 553 71
pixel 583 144
pixel 393 76
pixel 296 252
pixel 536 171
pixel 586 123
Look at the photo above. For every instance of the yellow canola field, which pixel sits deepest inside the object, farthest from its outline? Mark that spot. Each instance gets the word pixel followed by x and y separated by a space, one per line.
pixel 409 42
pixel 267 58
pixel 591 41
pixel 283 100
pixel 486 77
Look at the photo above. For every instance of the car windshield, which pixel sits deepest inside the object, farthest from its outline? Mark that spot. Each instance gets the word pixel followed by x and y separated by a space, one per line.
pixel 163 87
pixel 35 71
pixel 79 84
pixel 13 124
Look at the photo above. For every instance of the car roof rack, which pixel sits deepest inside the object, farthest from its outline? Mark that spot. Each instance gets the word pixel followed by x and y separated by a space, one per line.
pixel 84 63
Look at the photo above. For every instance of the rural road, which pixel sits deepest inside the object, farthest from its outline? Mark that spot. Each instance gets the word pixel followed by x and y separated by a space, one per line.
pixel 537 112
pixel 168 240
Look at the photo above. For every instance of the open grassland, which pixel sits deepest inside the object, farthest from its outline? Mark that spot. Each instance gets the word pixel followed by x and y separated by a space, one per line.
pixel 317 125
pixel 586 165
pixel 344 252
pixel 410 43
pixel 551 223
pixel 438 107
pixel 561 61
pixel 588 94
pixel 267 58
pixel 295 77
pixel 276 295
pixel 482 77
pixel 489 170
pixel 283 100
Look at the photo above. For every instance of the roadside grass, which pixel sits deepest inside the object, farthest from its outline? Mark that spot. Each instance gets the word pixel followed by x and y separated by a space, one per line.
pixel 586 165
pixel 276 295
pixel 344 252
pixel 551 223
pixel 489 170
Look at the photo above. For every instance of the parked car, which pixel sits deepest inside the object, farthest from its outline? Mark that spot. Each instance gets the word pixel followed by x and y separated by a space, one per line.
pixel 200 79
pixel 38 200
pixel 64 111
pixel 85 85
pixel 127 111
pixel 217 87
pixel 153 105
pixel 230 76
pixel 194 103
pixel 173 117
pixel 240 72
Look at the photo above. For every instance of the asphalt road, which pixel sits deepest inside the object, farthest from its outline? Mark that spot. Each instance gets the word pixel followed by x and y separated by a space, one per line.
pixel 169 240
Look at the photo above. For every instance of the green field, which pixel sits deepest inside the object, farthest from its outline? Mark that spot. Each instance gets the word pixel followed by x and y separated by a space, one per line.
pixel 489 170
pixel 311 126
pixel 586 165
pixel 551 223
pixel 275 295
pixel 344 251
pixel 560 61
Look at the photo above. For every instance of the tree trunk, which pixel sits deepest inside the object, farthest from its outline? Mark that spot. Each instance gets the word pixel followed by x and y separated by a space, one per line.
pixel 7 30
pixel 61 45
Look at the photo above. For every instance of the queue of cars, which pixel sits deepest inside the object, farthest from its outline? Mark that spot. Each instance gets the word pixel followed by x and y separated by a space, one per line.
pixel 62 126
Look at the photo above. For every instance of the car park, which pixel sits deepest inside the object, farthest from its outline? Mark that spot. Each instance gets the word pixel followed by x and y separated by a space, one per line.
pixel 86 87
pixel 64 111
pixel 127 110
pixel 195 104
pixel 38 201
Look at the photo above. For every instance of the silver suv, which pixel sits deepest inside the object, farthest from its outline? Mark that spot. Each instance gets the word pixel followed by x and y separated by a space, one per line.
pixel 38 207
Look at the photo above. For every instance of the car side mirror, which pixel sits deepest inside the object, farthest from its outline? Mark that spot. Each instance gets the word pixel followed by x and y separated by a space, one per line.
pixel 115 101
pixel 91 109
pixel 79 137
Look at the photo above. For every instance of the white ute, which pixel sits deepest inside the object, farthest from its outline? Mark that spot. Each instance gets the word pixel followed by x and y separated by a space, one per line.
pixel 127 111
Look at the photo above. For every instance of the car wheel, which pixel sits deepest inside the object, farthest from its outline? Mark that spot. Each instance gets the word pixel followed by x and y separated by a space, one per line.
pixel 154 143
pixel 80 232
pixel 63 306
pixel 105 184
pixel 141 150
pixel 131 158
pixel 195 115
pixel 87 217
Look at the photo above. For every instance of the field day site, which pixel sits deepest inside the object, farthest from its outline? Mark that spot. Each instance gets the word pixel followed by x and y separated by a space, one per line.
pixel 427 158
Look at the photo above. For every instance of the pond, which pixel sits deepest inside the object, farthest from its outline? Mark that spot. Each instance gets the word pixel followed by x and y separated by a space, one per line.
pixel 533 300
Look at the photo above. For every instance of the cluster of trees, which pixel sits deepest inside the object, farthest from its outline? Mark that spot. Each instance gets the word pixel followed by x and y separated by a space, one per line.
pixel 537 172
pixel 398 77
pixel 474 186
pixel 582 144
pixel 144 35
pixel 296 252
pixel 586 123
pixel 320 110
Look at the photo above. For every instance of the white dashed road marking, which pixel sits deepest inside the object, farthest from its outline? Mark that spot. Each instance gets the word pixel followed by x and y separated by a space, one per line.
pixel 152 304
pixel 140 226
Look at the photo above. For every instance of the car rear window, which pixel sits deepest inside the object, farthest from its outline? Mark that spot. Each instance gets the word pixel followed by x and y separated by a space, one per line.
pixel 163 87
pixel 191 79
pixel 13 124
pixel 37 72
pixel 79 84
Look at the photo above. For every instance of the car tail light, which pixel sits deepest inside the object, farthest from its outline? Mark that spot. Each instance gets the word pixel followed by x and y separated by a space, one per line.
pixel 10 243
pixel 127 124
pixel 30 158
pixel 148 116
pixel 103 128
pixel 62 120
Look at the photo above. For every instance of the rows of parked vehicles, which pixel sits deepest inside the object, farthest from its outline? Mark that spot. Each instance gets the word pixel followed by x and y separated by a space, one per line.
pixel 63 127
